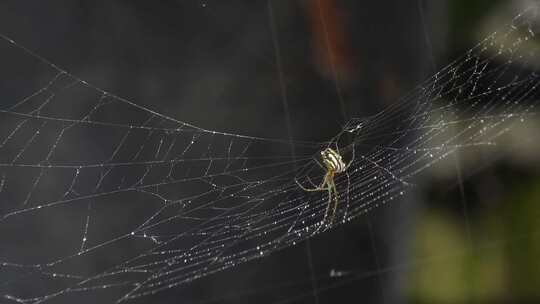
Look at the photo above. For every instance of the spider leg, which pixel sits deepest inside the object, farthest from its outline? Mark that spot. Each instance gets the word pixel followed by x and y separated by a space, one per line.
pixel 327 212
pixel 334 201
pixel 352 158
pixel 348 201
pixel 323 222
pixel 321 187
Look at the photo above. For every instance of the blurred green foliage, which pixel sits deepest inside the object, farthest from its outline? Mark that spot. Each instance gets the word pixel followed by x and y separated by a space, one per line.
pixel 500 262
pixel 463 17
pixel 496 261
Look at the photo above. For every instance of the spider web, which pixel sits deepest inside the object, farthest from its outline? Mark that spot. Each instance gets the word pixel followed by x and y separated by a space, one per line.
pixel 197 201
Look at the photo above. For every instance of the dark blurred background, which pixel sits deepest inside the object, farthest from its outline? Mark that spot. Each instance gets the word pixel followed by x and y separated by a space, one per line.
pixel 249 67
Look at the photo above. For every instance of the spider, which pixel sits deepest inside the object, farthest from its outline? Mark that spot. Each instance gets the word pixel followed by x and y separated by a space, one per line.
pixel 334 165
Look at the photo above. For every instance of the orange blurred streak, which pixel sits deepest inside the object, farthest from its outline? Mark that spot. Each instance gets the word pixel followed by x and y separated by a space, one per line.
pixel 331 50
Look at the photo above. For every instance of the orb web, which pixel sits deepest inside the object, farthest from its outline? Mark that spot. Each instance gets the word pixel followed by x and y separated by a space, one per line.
pixel 194 201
